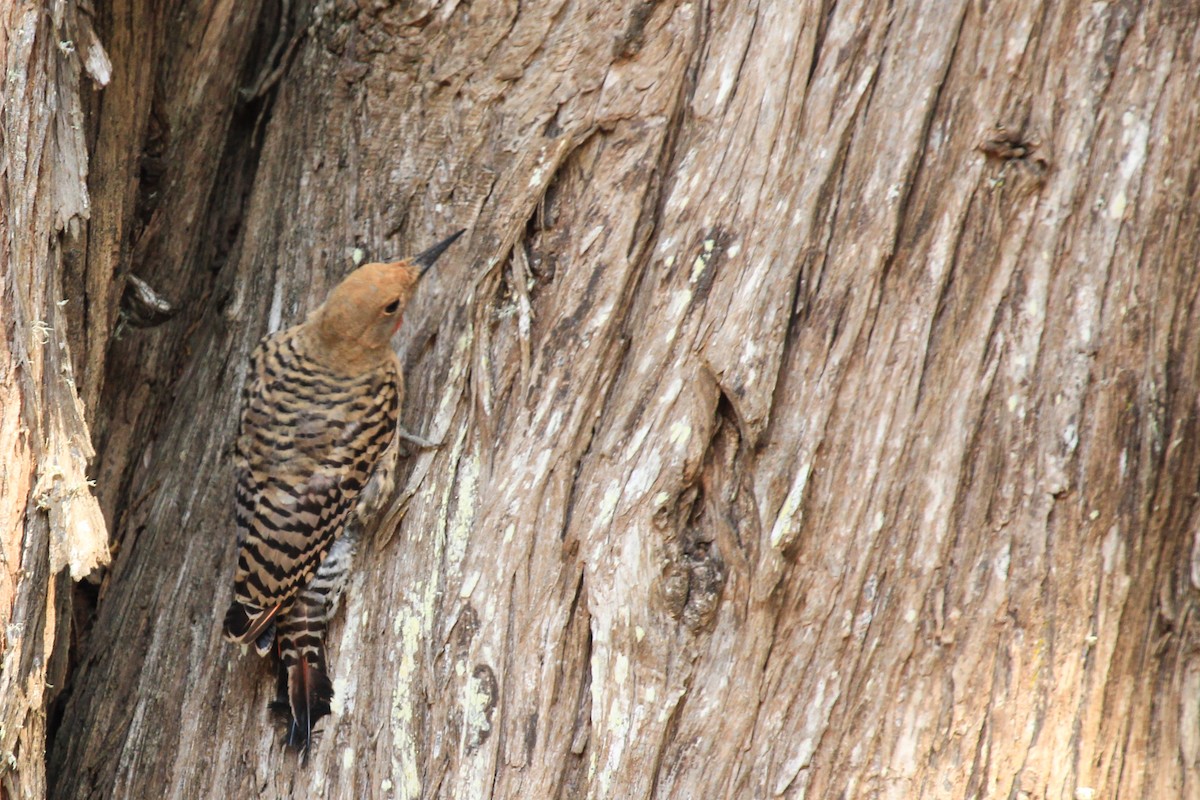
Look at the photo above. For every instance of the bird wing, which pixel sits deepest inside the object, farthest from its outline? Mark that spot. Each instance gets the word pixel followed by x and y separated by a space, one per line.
pixel 307 445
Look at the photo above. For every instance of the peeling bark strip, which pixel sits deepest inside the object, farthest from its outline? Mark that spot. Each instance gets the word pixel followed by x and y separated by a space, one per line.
pixel 818 401
pixel 49 520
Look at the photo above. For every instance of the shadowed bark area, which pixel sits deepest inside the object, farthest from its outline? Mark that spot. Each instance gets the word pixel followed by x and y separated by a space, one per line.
pixel 816 386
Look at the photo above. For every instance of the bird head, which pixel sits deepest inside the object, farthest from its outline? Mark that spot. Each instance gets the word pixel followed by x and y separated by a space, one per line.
pixel 357 320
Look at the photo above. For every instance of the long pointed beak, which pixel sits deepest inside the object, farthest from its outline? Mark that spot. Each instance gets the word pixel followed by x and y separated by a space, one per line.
pixel 427 259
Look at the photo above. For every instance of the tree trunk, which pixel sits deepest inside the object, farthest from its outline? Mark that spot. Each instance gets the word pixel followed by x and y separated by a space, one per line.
pixel 50 524
pixel 816 383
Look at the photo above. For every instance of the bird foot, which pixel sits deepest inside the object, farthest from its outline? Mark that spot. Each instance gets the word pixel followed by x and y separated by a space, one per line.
pixel 417 441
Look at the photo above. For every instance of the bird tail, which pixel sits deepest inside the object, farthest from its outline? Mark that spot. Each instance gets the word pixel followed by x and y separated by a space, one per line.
pixel 310 693
pixel 304 675
pixel 305 692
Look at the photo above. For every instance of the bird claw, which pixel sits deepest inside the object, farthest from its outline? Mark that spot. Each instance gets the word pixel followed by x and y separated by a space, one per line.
pixel 417 441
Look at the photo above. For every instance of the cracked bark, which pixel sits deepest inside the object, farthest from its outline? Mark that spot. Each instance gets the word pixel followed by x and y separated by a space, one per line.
pixel 817 387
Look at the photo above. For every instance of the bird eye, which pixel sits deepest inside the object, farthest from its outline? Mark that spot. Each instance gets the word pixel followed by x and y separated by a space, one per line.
pixel 392 307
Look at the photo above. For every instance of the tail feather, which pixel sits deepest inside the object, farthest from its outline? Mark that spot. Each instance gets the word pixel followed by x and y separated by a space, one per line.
pixel 306 691
pixel 310 693
pixel 281 705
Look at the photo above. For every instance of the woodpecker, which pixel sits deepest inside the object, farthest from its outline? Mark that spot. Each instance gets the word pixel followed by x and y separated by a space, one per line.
pixel 315 453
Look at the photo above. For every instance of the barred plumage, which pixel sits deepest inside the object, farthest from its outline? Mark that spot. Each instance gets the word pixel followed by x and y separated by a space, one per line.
pixel 319 418
pixel 301 635
pixel 308 444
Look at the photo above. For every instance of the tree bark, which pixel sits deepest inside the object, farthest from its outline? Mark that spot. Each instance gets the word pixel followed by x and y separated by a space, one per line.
pixel 51 526
pixel 816 387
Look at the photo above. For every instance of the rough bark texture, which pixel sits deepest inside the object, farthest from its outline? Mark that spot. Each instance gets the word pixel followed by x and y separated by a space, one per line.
pixel 817 385
pixel 50 524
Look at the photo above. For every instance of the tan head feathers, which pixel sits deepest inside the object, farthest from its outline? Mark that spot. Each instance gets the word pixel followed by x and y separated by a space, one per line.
pixel 354 326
